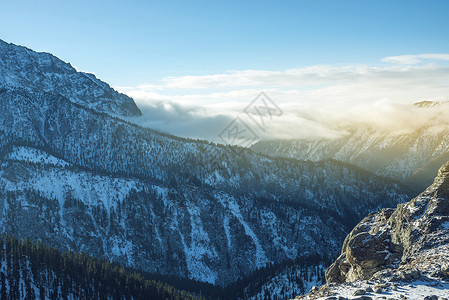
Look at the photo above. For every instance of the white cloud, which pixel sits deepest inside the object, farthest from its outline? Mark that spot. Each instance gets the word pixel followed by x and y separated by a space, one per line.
pixel 316 100
pixel 415 59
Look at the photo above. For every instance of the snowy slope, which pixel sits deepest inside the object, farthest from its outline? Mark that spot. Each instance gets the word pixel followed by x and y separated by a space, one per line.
pixel 139 224
pixel 413 290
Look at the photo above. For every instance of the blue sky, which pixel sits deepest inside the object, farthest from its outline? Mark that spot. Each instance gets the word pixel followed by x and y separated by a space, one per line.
pixel 134 42
pixel 193 66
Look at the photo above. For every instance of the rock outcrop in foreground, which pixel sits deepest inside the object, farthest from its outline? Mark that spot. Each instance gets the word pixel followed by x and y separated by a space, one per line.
pixel 399 252
pixel 406 241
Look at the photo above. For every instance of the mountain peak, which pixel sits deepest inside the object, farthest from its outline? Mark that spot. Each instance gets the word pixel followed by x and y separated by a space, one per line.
pixel 426 103
pixel 440 186
pixel 443 172
pixel 47 73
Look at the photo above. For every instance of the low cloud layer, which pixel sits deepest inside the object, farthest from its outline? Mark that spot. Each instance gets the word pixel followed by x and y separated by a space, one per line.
pixel 322 101
pixel 415 59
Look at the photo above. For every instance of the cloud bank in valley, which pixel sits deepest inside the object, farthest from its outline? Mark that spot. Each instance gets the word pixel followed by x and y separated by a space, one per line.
pixel 320 101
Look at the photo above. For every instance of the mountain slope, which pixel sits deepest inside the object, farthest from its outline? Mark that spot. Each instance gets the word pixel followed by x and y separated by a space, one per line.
pixel 174 206
pixel 23 68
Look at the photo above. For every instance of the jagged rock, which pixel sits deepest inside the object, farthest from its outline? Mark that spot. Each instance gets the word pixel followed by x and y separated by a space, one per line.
pixel 433 297
pixel 445 270
pixel 395 278
pixel 405 276
pixel 410 234
pixel 382 274
pixel 364 253
pixel 359 292
pixel 415 274
pixel 379 289
pixel 438 274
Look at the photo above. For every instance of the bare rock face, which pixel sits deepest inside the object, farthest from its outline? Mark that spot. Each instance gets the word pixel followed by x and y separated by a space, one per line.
pixel 406 242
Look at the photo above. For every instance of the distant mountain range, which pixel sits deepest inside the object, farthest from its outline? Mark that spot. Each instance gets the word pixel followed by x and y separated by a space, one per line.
pixel 412 157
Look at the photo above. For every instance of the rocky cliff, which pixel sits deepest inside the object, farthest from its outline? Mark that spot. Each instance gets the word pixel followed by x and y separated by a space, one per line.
pixel 413 239
pixel 402 252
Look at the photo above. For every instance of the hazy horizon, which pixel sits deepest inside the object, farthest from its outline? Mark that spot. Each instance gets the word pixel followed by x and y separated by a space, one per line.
pixel 320 101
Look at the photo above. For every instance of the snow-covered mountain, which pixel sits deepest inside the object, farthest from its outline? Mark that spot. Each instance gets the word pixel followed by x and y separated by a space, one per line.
pixel 77 177
pixel 402 251
pixel 99 184
pixel 23 68
pixel 411 157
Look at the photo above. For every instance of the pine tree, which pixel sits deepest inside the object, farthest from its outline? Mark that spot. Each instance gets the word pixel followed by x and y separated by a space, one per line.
pixel 3 295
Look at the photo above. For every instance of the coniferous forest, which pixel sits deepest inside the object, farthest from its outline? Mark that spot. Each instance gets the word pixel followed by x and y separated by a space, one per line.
pixel 35 271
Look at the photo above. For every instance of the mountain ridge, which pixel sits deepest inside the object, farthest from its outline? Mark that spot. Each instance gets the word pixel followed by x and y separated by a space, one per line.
pixel 413 158
pixel 46 72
